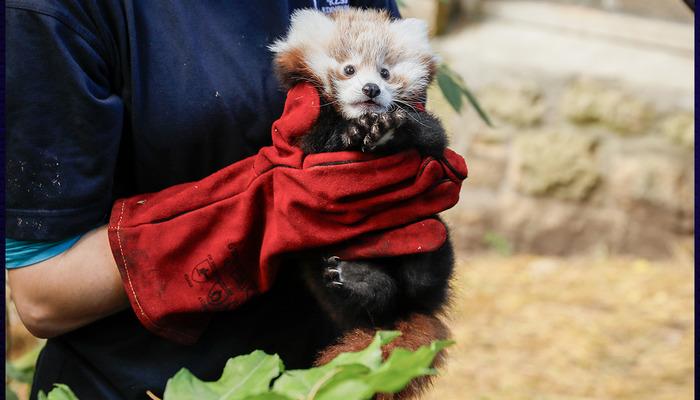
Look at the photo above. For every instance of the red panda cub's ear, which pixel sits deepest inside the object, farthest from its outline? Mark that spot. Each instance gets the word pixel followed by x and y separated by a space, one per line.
pixel 303 54
pixel 411 35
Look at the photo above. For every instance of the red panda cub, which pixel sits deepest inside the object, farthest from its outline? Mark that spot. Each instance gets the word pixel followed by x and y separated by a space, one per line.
pixel 372 74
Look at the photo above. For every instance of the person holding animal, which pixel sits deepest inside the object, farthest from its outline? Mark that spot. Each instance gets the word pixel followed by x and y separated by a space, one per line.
pixel 151 218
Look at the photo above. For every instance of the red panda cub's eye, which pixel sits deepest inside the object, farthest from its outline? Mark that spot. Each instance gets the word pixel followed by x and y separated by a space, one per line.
pixel 384 73
pixel 349 70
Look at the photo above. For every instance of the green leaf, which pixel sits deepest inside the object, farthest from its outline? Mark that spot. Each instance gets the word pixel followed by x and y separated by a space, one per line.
pixel 268 396
pixel 299 383
pixel 371 356
pixel 453 79
pixel 360 375
pixel 346 389
pixel 322 382
pixel 475 103
pixel 342 378
pixel 450 89
pixel 243 376
pixel 59 392
pixel 404 365
pixel 350 376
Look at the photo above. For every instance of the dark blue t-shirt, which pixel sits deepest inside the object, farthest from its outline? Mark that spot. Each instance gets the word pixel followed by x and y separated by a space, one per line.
pixel 111 98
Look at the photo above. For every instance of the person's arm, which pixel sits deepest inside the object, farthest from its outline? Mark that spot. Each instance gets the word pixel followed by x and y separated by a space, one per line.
pixel 72 289
pixel 64 126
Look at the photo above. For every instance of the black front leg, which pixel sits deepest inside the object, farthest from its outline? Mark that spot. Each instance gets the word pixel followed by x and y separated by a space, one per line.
pixel 353 292
pixel 422 131
pixel 424 279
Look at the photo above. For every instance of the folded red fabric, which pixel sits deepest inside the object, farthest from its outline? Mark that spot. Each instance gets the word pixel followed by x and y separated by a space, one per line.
pixel 210 245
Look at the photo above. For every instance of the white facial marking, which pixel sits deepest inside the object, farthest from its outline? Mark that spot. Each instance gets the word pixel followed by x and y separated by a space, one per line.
pixel 351 97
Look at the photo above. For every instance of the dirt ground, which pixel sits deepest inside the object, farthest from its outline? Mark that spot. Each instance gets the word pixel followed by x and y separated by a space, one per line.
pixel 549 328
pixel 541 328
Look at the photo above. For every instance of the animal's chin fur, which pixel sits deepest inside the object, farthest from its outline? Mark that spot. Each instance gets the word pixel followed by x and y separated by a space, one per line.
pixel 351 111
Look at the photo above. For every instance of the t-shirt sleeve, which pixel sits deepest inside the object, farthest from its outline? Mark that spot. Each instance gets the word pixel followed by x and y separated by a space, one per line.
pixel 64 124
pixel 20 253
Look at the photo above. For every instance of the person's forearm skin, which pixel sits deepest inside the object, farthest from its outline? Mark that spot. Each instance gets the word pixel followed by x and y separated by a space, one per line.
pixel 70 290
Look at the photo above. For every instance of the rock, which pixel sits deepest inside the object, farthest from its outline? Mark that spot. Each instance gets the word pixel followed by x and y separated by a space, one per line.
pixel 487 158
pixel 469 223
pixel 518 103
pixel 651 179
pixel 486 171
pixel 549 226
pixel 555 164
pixel 589 101
pixel 654 187
pixel 679 128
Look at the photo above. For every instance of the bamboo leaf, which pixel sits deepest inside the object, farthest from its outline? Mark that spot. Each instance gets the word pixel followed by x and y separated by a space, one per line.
pixel 475 103
pixel 450 89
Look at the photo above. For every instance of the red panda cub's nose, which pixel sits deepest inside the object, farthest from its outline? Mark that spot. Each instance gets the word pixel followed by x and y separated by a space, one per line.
pixel 371 90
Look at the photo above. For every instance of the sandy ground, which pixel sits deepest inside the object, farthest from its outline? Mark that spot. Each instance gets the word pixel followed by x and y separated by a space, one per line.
pixel 532 327
pixel 545 328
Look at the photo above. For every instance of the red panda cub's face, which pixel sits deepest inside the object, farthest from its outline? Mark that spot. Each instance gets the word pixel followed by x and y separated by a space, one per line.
pixel 360 60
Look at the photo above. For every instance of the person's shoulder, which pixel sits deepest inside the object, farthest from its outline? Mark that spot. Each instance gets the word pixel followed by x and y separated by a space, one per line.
pixel 59 7
pixel 71 12
pixel 82 16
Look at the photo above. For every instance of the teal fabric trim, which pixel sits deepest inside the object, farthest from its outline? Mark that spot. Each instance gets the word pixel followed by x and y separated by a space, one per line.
pixel 20 253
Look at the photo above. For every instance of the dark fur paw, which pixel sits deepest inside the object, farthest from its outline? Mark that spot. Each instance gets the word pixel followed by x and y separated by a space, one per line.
pixel 358 129
pixel 359 284
pixel 371 130
pixel 352 135
pixel 332 272
pixel 382 126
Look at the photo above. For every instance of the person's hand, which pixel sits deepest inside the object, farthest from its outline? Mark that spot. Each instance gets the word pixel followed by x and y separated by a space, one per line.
pixel 212 244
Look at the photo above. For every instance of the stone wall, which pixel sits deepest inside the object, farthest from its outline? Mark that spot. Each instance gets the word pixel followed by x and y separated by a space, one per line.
pixel 592 148
pixel 590 168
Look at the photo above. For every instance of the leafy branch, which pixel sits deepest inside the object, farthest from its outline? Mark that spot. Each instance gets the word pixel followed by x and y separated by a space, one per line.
pixel 260 376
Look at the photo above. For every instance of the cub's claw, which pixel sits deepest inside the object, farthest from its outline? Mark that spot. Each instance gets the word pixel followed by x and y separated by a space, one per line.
pixel 332 273
pixel 333 276
pixel 332 261
pixel 382 124
pixel 351 136
pixel 367 120
pixel 369 129
pixel 370 140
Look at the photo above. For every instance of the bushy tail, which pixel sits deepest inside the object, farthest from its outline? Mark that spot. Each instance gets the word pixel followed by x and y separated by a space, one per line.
pixel 416 330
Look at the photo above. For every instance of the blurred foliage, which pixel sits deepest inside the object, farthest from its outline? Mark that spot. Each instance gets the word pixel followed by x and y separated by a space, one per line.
pixel 498 243
pixel 21 370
